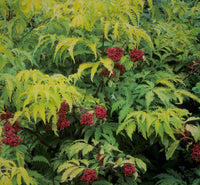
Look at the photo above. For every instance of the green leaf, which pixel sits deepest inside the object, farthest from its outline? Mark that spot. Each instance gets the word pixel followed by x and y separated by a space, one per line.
pixel 131 127
pixel 124 112
pixel 140 164
pixel 149 97
pixel 75 172
pixel 67 173
pixel 170 151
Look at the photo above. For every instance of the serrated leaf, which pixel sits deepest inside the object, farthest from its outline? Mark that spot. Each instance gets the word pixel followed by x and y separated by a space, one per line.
pixel 87 149
pixel 141 165
pixel 94 70
pixel 131 127
pixel 108 63
pixel 149 97
pixel 106 29
pixel 124 112
pixel 195 131
pixel 97 133
pixel 93 47
pixel 25 175
pixel 67 173
pixel 75 172
pixel 170 151
pixel 64 166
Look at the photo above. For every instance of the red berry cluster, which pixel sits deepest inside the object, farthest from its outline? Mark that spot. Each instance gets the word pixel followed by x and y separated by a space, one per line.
pixel 196 153
pixel 115 53
pixel 186 132
pixel 6 116
pixel 100 112
pixel 10 131
pixel 106 73
pixel 129 169
pixel 100 160
pixel 120 67
pixel 136 55
pixel 89 176
pixel 87 119
pixel 62 122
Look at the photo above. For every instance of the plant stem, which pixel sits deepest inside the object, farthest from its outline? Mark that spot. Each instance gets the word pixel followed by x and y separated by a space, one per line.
pixel 98 88
pixel 189 74
pixel 39 137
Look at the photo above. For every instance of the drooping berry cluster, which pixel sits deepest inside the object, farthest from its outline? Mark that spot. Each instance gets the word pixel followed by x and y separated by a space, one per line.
pixel 100 160
pixel 89 176
pixel 186 132
pixel 6 115
pixel 129 169
pixel 100 112
pixel 10 131
pixel 196 153
pixel 62 122
pixel 87 119
pixel 120 67
pixel 115 53
pixel 136 55
pixel 106 73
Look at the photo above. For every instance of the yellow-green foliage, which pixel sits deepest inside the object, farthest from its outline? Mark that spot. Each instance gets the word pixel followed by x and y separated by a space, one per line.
pixel 9 172
pixel 39 96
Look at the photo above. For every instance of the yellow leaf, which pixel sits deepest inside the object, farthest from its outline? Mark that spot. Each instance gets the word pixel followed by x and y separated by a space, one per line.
pixel 93 47
pixel 94 69
pixel 108 63
pixel 37 4
pixel 106 29
pixel 26 7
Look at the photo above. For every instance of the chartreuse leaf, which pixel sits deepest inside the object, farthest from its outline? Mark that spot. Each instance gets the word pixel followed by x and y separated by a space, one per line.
pixel 83 67
pixel 67 173
pixel 131 127
pixel 170 151
pixel 67 43
pixel 108 63
pixel 93 47
pixel 94 69
pixel 195 131
pixel 80 146
pixel 141 165
pixel 188 94
pixel 106 29
pixel 71 169
pixel 11 170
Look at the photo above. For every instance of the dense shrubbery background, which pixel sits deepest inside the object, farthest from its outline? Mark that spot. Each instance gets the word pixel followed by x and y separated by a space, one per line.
pixel 99 92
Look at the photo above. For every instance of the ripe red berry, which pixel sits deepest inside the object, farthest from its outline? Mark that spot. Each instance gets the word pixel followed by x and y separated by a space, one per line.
pixel 87 119
pixel 136 55
pixel 196 153
pixel 100 112
pixel 120 67
pixel 115 53
pixel 129 169
pixel 10 133
pixel 89 176
pixel 100 160
pixel 62 123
